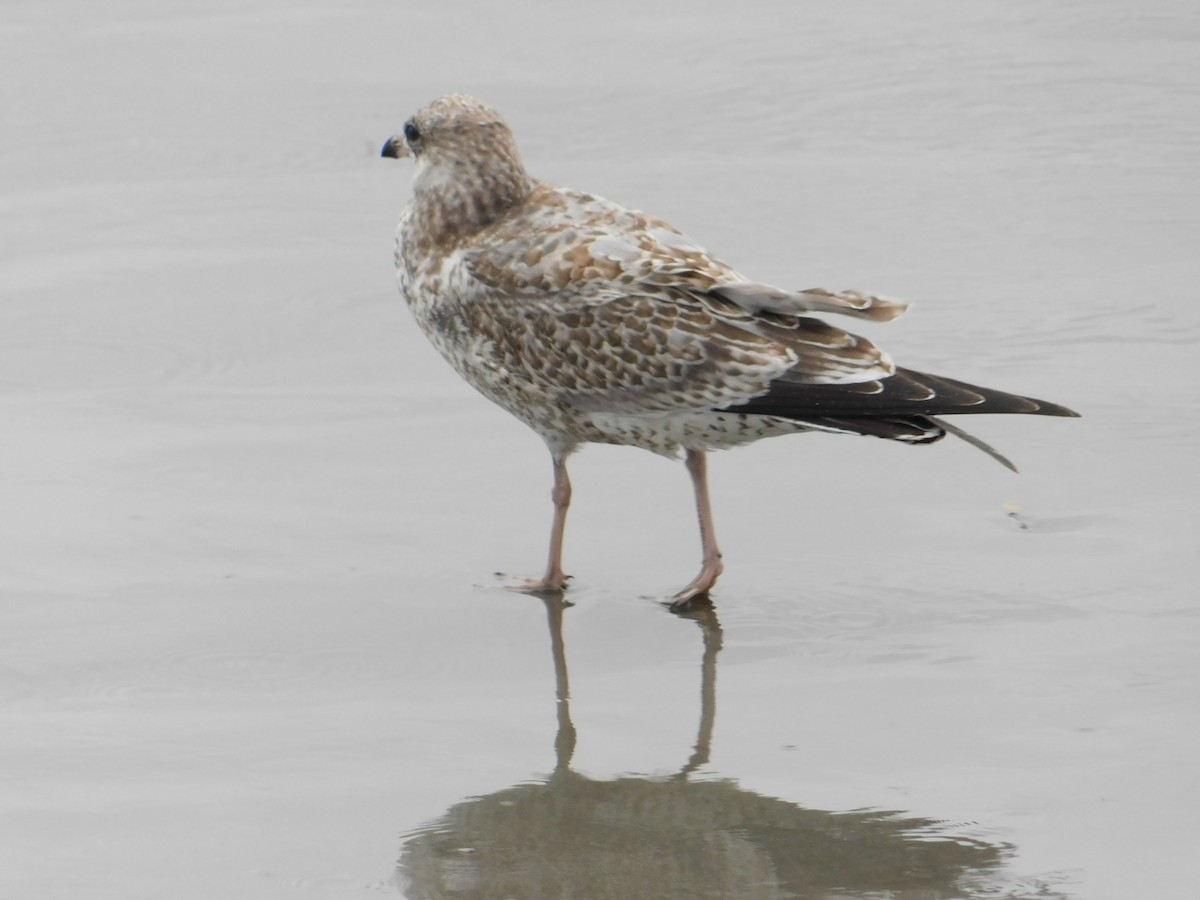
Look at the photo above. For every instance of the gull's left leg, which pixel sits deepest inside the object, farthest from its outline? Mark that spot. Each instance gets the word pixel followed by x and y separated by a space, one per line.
pixel 554 579
pixel 711 566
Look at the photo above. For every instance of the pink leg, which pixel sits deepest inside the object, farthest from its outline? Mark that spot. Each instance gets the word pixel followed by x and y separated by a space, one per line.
pixel 554 579
pixel 711 566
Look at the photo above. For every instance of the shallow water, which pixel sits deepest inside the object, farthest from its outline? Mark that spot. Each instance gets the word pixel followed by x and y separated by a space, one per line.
pixel 253 642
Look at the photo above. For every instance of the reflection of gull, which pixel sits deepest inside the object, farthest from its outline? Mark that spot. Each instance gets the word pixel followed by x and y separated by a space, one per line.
pixel 594 323
pixel 634 837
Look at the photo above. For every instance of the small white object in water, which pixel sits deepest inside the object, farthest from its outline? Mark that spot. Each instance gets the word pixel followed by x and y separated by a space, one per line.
pixel 1014 511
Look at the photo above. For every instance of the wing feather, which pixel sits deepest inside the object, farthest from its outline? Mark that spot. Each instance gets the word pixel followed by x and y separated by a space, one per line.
pixel 617 311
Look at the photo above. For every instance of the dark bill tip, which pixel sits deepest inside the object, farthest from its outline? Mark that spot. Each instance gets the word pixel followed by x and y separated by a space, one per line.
pixel 394 147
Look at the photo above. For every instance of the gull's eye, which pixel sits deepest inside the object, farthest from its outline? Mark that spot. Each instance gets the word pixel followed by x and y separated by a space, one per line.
pixel 412 133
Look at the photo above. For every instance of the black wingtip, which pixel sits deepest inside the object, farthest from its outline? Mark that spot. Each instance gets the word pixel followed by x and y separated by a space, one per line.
pixel 1053 409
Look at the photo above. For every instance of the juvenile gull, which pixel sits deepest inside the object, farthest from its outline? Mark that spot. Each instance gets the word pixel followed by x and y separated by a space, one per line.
pixel 591 322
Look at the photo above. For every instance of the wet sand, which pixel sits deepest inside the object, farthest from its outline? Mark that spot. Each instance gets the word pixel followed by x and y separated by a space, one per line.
pixel 254 640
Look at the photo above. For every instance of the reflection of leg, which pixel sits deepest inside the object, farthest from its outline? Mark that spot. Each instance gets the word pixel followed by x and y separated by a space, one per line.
pixel 554 579
pixel 711 567
pixel 713 640
pixel 564 738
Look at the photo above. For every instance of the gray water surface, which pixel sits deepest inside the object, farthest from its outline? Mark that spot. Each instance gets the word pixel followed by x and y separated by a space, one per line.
pixel 252 639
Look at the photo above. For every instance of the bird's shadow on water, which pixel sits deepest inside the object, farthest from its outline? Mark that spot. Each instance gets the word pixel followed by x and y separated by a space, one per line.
pixel 641 837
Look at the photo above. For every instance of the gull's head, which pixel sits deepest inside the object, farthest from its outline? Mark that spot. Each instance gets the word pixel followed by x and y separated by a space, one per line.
pixel 451 125
pixel 459 138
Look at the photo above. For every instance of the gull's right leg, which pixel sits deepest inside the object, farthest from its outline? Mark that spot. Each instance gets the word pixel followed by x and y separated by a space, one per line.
pixel 711 566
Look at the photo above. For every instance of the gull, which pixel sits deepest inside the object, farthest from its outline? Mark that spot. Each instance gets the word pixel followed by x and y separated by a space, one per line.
pixel 594 323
